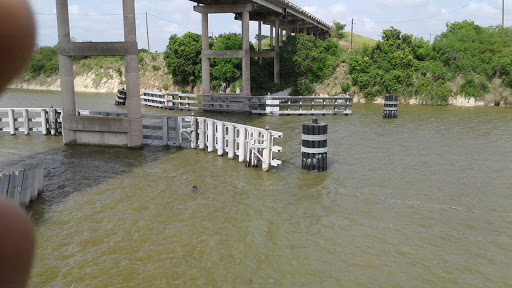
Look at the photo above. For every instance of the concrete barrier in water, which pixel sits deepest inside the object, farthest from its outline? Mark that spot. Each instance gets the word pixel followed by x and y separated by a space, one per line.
pixel 314 146
pixel 22 186
pixel 390 107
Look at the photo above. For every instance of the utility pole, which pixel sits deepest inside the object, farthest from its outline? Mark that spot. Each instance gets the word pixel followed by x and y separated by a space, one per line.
pixel 503 14
pixel 430 38
pixel 147 30
pixel 351 33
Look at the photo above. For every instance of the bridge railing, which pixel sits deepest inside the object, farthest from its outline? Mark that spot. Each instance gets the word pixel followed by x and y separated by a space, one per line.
pixel 253 146
pixel 269 105
pixel 306 13
pixel 250 145
pixel 31 120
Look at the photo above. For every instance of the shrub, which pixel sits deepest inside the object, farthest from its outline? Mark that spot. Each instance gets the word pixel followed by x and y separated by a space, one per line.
pixel 345 87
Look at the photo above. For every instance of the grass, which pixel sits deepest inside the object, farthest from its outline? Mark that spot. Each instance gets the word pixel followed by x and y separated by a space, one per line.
pixel 358 41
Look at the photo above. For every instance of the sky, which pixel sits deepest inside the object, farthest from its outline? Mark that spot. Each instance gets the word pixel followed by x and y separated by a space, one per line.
pixel 101 20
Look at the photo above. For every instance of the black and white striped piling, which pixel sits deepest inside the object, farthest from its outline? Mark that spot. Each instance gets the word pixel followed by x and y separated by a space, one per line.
pixel 314 146
pixel 390 107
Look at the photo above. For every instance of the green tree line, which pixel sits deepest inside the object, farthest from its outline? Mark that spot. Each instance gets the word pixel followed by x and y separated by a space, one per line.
pixel 304 61
pixel 464 60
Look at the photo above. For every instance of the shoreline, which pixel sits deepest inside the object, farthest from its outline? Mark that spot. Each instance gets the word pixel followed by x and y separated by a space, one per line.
pixel 454 101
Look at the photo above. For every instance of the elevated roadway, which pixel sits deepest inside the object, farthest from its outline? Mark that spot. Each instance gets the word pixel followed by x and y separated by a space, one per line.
pixel 282 16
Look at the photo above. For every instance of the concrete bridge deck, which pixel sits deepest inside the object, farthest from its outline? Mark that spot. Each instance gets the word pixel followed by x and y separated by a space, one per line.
pixel 268 10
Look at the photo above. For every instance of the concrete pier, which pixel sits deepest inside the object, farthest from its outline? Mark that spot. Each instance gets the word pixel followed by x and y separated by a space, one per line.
pixel 277 57
pixel 85 130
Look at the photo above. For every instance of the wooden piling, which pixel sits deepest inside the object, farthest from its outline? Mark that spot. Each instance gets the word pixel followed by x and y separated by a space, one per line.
pixel 12 123
pixel 220 138
pixel 165 130
pixel 211 135
pixel 242 144
pixel 27 186
pixel 231 141
pixel 193 133
pixel 52 119
pixel 26 123
pixel 44 122
pixel 201 132
pixel 4 184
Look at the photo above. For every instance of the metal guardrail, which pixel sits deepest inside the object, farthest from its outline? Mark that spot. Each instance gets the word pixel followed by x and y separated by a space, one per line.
pixel 265 105
pixel 309 15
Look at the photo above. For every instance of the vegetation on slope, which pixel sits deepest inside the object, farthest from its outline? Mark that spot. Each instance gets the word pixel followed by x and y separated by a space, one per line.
pixel 466 60
pixel 304 61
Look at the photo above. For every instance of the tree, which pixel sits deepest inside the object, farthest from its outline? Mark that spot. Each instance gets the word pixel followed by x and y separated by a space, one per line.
pixel 306 61
pixel 337 32
pixel 183 58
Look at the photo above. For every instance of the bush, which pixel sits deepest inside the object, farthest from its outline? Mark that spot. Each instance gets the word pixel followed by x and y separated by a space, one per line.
pixel 345 87
pixel 215 85
pixel 474 87
pixel 44 61
pixel 183 58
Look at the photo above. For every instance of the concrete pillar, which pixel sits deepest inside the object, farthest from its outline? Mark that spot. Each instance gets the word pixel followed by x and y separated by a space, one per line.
pixel 277 58
pixel 281 36
pixel 205 60
pixel 246 61
pixel 260 59
pixel 133 105
pixel 67 82
pixel 271 35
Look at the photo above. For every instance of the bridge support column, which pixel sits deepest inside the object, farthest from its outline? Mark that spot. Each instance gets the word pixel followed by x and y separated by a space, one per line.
pixel 271 35
pixel 67 81
pixel 205 60
pixel 260 59
pixel 125 132
pixel 246 61
pixel 133 106
pixel 277 58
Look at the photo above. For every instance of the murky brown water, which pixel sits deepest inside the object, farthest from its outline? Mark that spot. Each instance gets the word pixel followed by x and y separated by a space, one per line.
pixel 421 201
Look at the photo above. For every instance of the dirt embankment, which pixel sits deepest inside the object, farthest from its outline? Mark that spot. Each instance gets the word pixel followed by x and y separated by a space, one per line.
pixel 153 76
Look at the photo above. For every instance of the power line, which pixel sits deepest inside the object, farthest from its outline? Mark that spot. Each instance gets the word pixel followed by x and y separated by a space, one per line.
pixel 174 22
pixel 421 19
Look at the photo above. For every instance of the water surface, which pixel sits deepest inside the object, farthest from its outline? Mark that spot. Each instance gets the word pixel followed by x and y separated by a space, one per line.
pixel 421 201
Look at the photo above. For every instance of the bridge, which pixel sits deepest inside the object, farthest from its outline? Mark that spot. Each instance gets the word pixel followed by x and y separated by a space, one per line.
pixel 280 15
pixel 127 131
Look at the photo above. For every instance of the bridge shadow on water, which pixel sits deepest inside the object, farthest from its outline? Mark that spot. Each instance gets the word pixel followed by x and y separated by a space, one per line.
pixel 71 169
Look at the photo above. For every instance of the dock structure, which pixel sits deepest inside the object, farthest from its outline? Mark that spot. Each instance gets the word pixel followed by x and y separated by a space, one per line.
pixel 22 186
pixel 280 15
pixel 46 121
pixel 250 145
pixel 262 105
